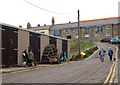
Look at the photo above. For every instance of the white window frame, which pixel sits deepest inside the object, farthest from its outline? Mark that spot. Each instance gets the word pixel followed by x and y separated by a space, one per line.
pixel 76 36
pixel 65 30
pixel 107 34
pixel 86 35
pixel 107 26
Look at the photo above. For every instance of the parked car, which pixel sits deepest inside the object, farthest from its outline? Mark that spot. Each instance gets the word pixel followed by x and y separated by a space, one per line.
pixel 115 41
pixel 113 38
pixel 105 40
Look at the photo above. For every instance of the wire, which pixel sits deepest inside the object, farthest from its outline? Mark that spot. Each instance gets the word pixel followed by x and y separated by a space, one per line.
pixel 46 9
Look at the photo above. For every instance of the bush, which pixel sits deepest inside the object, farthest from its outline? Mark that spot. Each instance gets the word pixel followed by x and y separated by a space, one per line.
pixel 89 52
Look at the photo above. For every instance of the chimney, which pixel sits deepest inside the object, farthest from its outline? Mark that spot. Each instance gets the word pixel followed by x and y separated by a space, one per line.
pixel 38 25
pixel 44 24
pixel 28 25
pixel 53 21
pixel 20 26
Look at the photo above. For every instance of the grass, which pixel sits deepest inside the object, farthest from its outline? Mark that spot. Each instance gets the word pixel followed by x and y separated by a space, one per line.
pixel 73 43
pixel 85 45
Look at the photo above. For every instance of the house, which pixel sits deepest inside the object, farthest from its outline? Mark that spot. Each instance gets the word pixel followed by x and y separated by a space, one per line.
pixel 90 29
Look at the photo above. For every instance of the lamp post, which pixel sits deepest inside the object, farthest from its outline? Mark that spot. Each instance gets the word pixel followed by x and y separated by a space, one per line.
pixel 78 33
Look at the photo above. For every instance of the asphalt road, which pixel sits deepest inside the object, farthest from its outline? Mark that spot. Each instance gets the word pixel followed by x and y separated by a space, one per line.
pixel 86 71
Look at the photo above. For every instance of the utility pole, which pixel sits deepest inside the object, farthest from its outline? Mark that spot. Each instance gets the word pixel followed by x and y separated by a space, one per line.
pixel 78 33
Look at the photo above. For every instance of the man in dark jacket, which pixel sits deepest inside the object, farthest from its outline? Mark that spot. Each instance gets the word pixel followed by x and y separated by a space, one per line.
pixel 110 53
pixel 31 57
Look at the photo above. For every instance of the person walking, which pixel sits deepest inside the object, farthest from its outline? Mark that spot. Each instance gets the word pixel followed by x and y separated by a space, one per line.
pixel 65 56
pixel 101 53
pixel 25 57
pixel 110 53
pixel 31 57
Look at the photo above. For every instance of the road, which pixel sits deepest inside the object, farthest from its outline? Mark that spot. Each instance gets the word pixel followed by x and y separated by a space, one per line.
pixel 86 71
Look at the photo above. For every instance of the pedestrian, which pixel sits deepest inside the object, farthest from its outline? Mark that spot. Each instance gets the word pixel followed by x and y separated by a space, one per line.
pixel 25 57
pixel 61 55
pixel 31 57
pixel 110 53
pixel 101 53
pixel 65 56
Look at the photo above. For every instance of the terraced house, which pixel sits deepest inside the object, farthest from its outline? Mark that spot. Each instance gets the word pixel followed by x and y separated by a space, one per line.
pixel 90 29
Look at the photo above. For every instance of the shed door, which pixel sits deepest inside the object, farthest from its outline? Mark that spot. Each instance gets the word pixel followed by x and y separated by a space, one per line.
pixel 9 46
pixel 35 45
pixel 64 46
pixel 53 40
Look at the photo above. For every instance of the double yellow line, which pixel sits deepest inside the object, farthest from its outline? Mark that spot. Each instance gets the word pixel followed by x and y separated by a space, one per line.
pixel 111 75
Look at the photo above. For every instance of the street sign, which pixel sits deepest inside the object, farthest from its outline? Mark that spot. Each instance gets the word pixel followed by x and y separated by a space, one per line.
pixel 91 41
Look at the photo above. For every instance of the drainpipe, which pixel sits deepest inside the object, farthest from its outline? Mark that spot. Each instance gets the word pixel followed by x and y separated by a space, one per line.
pixel 112 31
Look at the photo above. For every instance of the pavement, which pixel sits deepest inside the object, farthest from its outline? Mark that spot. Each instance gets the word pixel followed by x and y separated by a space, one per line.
pixel 91 70
pixel 17 69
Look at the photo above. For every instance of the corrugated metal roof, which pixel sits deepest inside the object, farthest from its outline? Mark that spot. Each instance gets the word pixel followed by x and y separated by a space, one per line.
pixel 32 31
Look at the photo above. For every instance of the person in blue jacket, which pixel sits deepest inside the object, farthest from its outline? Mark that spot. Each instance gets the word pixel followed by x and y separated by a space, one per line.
pixel 65 56
pixel 110 53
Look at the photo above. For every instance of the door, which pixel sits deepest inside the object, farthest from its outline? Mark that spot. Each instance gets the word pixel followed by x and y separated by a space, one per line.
pixel 35 45
pixel 64 46
pixel 9 46
pixel 53 41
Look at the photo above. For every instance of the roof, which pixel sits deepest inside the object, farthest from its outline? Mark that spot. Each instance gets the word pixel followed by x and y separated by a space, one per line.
pixel 85 23
pixel 41 27
pixel 88 23
pixel 25 29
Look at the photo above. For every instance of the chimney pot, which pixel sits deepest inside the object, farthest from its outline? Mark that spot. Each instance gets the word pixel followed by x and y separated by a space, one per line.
pixel 28 25
pixel 20 26
pixel 38 25
pixel 53 21
pixel 44 24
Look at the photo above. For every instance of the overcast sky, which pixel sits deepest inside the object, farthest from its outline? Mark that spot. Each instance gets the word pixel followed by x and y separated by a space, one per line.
pixel 19 12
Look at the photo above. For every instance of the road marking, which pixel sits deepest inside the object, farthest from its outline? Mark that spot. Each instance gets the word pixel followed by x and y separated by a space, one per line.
pixel 111 74
pixel 106 81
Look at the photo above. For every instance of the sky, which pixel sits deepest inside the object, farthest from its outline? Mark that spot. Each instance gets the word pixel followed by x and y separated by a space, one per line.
pixel 19 12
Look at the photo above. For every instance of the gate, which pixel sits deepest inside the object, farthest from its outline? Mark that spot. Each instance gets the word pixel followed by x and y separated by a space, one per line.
pixel 35 45
pixel 9 46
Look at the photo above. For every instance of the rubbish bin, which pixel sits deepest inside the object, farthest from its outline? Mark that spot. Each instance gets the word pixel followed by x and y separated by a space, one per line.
pixel 82 54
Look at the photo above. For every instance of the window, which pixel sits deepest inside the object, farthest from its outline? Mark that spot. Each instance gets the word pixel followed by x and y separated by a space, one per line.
pixel 107 34
pixel 57 32
pixel 107 27
pixel 76 36
pixel 97 34
pixel 42 32
pixel 68 37
pixel 99 28
pixel 65 30
pixel 86 35
pixel 86 30
pixel 72 30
